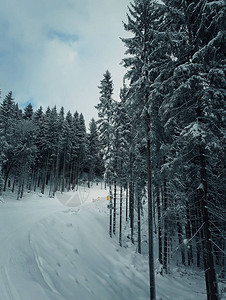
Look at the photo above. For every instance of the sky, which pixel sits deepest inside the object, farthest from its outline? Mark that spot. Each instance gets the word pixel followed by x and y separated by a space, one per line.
pixel 55 52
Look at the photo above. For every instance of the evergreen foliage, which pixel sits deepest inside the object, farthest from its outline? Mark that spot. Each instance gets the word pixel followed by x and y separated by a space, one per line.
pixel 46 149
pixel 170 130
pixel 163 143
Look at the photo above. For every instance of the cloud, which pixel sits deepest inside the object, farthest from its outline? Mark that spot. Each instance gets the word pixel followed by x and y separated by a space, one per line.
pixel 62 36
pixel 55 52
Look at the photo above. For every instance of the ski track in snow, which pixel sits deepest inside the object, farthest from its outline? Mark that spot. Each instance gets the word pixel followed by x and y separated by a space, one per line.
pixel 18 268
pixel 53 252
pixel 8 292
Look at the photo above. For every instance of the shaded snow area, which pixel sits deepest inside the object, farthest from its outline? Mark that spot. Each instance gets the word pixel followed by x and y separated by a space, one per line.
pixel 59 249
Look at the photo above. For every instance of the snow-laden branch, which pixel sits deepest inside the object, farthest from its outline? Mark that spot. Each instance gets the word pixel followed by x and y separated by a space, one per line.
pixel 187 242
pixel 218 247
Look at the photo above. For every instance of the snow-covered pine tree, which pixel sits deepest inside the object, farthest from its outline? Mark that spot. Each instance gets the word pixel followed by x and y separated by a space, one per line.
pixel 24 153
pixel 193 105
pixel 122 120
pixel 1 180
pixel 38 120
pixel 83 145
pixel 45 148
pixel 95 162
pixel 7 128
pixel 56 129
pixel 41 148
pixel 18 112
pixel 1 160
pixel 139 24
pixel 28 112
pixel 75 149
pixel 66 148
pixel 117 161
pixel 105 114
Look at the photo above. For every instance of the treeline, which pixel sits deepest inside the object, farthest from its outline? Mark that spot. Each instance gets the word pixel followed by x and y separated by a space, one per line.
pixel 166 137
pixel 46 149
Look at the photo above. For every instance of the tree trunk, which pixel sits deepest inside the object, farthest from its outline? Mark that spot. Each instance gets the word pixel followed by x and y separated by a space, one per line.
pixel 110 225
pixel 70 173
pixel 189 235
pixel 36 179
pixel 77 174
pixel 150 215
pixel 198 238
pixel 159 226
pixel 57 169
pixel 45 175
pixel 139 221
pixel 131 209
pixel 126 204
pixel 74 174
pixel 180 239
pixel 63 175
pixel 22 189
pixel 52 180
pixel 1 181
pixel 120 218
pixel 7 176
pixel 30 179
pixel 165 239
pixel 208 259
pixel 114 208
pixel 14 183
pixel 210 274
pixel 18 193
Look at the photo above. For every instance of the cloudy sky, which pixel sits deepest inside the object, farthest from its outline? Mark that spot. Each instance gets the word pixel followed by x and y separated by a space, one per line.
pixel 56 51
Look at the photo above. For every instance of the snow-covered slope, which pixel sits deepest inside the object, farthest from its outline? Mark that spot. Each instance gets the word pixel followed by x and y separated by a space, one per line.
pixel 52 251
pixel 59 249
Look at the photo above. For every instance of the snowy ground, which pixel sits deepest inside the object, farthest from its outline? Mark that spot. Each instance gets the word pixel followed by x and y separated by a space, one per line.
pixel 59 249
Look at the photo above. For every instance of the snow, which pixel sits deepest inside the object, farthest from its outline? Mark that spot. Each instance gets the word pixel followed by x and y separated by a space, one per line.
pixel 185 241
pixel 201 186
pixel 59 249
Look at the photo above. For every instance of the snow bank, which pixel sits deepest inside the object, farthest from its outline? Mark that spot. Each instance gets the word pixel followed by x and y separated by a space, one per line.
pixel 59 249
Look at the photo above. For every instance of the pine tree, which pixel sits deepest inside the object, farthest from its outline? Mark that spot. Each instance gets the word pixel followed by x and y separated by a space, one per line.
pixel 7 114
pixel 122 120
pixel 28 112
pixel 83 145
pixel 45 148
pixel 7 127
pixel 139 24
pixel 24 154
pixel 42 149
pixel 191 97
pixel 75 149
pixel 1 160
pixel 105 112
pixel 38 120
pixel 95 163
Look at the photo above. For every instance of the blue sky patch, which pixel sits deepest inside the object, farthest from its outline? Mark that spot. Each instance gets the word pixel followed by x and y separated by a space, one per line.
pixel 62 36
pixel 29 101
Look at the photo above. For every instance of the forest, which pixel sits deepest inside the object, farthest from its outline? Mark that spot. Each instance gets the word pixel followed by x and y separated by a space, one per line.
pixel 162 144
pixel 46 149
